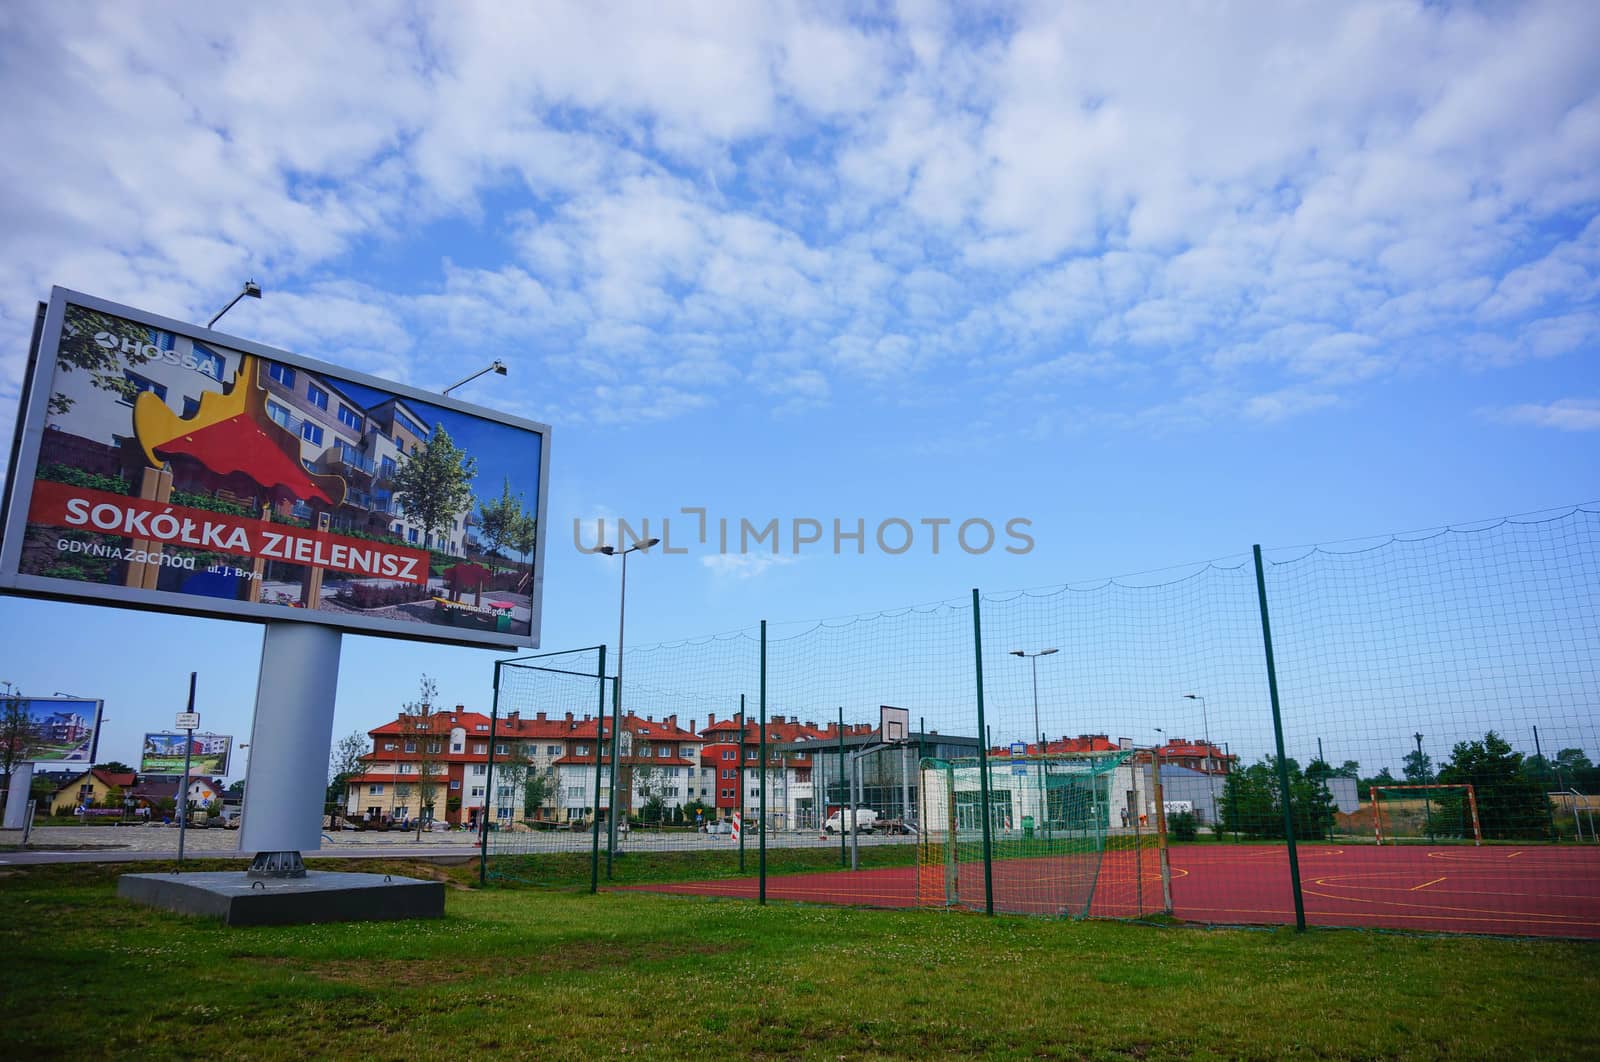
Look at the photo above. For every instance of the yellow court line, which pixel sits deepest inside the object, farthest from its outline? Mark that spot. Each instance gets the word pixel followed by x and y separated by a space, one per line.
pixel 1425 884
pixel 1513 855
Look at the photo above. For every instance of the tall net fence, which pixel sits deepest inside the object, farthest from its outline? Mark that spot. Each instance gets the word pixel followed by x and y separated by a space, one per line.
pixel 1391 733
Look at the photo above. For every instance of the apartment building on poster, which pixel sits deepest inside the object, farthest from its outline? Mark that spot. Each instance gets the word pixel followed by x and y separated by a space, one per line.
pixel 338 434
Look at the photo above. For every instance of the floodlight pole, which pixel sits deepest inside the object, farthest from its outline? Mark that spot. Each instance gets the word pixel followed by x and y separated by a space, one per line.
pixel 616 702
pixel 251 288
pixel 498 367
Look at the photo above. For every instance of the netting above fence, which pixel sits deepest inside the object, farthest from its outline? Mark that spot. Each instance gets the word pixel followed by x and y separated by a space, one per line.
pixel 1463 659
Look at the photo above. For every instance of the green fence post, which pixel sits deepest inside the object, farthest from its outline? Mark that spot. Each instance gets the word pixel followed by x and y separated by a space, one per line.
pixel 488 788
pixel 1277 731
pixel 738 805
pixel 983 761
pixel 761 818
pixel 844 791
pixel 599 721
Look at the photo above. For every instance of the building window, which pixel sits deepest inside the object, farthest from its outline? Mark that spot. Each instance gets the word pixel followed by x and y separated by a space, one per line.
pixel 142 384
pixel 750 754
pixel 501 749
pixel 435 746
pixel 480 726
pixel 552 750
pixel 281 372
pixel 477 770
pixel 574 792
pixel 730 773
pixel 311 433
pixel 316 395
pixel 411 426
pixel 729 754
pixel 350 419
pixel 581 750
pixel 411 746
pixel 455 746
pixel 455 783
pixel 477 790
pixel 479 748
pixel 207 362
pixel 375 790
pixel 191 406
pixel 388 746
pixel 411 536
pixel 663 752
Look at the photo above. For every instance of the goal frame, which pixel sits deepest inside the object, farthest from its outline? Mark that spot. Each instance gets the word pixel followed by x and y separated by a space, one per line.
pixel 1472 806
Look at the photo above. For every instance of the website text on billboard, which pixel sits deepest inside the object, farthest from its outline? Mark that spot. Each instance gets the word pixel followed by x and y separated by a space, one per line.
pixel 163 465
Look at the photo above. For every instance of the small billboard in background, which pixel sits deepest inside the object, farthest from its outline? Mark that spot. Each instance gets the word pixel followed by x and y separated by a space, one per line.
pixel 59 729
pixel 161 465
pixel 163 753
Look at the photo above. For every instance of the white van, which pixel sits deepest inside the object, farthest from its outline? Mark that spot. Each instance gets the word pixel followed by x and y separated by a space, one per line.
pixel 866 818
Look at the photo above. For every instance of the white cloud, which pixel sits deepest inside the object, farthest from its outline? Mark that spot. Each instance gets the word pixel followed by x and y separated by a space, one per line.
pixel 1565 414
pixel 744 565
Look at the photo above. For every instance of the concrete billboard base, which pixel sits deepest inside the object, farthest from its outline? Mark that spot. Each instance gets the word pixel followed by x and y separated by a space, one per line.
pixel 320 896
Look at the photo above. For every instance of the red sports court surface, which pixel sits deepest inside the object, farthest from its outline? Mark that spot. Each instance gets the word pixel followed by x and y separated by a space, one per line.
pixel 1532 891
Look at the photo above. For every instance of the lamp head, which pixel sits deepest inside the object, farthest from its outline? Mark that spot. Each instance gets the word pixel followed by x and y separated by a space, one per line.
pixel 647 543
pixel 1191 697
pixel 1047 652
pixel 499 367
pixel 252 289
pixel 1018 652
pixel 610 551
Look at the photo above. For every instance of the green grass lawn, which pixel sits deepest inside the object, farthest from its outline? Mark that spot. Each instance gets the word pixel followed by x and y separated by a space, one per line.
pixel 562 974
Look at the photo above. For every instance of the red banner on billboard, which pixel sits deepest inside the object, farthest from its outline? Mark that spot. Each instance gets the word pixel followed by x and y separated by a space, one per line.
pixel 81 509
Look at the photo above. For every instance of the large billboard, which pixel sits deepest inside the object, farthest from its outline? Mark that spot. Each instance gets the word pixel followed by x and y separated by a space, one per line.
pixel 165 466
pixel 164 753
pixel 59 729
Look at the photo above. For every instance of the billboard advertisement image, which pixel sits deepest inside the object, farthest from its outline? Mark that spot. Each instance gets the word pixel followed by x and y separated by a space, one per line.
pixel 166 466
pixel 58 729
pixel 163 753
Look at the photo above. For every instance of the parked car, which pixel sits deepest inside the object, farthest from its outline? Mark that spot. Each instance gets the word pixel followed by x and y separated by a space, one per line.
pixel 720 827
pixel 863 819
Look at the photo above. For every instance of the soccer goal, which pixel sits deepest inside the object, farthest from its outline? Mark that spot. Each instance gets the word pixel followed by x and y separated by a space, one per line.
pixel 1409 814
pixel 1058 843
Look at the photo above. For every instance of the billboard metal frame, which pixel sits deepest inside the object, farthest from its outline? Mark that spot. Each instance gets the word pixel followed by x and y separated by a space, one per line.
pixel 31 420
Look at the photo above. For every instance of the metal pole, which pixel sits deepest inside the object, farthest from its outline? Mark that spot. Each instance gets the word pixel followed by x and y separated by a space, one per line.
pixel 599 735
pixel 1277 730
pixel 488 784
pixel 1427 797
pixel 761 843
pixel 616 720
pixel 188 749
pixel 1161 831
pixel 1549 809
pixel 739 805
pixel 983 760
pixel 844 791
pixel 855 810
pixel 611 798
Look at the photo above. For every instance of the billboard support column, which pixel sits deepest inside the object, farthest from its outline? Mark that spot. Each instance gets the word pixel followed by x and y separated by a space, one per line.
pixel 17 799
pixel 289 744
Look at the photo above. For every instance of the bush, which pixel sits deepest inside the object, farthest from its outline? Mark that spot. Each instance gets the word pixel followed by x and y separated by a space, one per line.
pixel 1183 826
pixel 367 595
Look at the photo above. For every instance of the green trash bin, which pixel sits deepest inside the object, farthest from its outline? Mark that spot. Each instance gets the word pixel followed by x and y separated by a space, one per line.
pixel 1027 827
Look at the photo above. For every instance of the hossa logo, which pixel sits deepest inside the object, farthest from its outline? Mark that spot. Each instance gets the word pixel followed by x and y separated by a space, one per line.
pixel 112 341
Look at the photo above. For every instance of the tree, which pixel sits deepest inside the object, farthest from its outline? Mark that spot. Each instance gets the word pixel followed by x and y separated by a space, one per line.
pixel 434 485
pixel 236 790
pixel 1417 767
pixel 115 767
pixel 1509 803
pixel 537 787
pixel 525 536
pixel 649 782
pixel 499 520
pixel 423 744
pixel 104 359
pixel 344 763
pixel 1572 761
pixel 1382 778
pixel 19 733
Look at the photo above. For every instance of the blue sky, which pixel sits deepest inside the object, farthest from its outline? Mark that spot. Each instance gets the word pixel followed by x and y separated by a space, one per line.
pixel 1164 287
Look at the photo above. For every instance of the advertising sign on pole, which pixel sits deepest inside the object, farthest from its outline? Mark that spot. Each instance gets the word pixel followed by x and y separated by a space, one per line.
pixel 163 753
pixel 165 466
pixel 58 729
pixel 188 721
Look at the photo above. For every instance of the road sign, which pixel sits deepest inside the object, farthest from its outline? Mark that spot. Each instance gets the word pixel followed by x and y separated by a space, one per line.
pixel 1019 768
pixel 187 721
pixel 1018 749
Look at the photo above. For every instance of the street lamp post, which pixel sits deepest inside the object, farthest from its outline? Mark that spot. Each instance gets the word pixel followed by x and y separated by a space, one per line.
pixel 1205 728
pixel 1033 659
pixel 616 711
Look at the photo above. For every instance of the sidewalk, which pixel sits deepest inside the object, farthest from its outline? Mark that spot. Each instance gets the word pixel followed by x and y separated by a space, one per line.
pixel 197 841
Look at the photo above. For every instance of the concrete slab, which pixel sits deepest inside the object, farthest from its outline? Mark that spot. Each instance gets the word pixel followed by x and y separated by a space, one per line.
pixel 320 896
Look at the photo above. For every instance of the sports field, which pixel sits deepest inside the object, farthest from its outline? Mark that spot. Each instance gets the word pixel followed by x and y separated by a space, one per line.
pixel 1531 891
